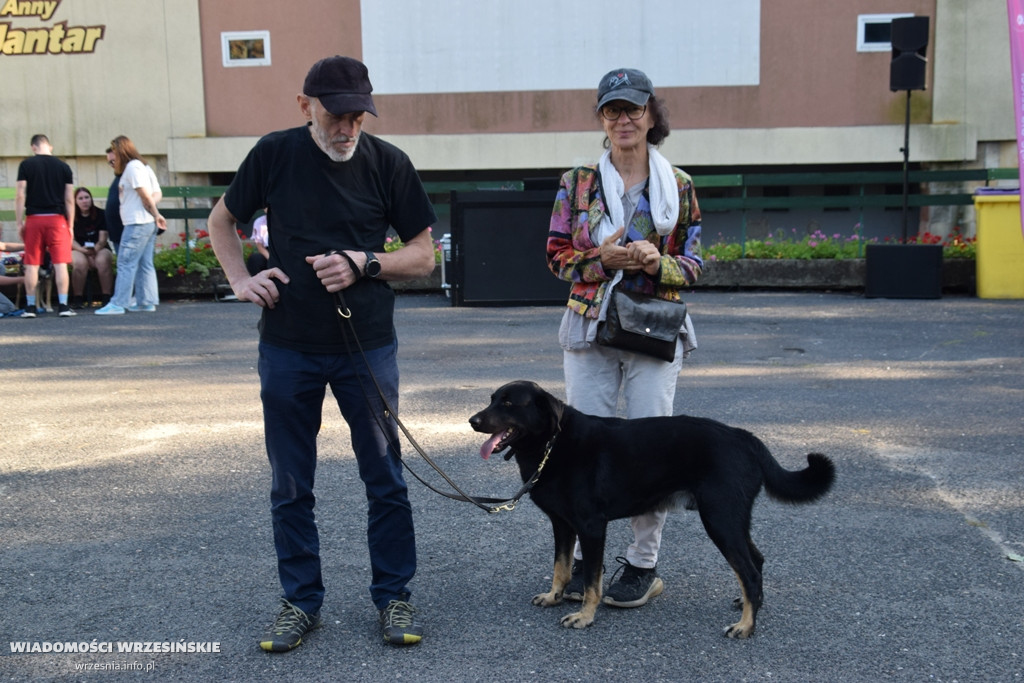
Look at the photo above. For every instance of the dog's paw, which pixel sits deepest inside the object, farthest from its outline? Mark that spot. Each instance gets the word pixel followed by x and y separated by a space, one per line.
pixel 739 631
pixel 576 620
pixel 547 599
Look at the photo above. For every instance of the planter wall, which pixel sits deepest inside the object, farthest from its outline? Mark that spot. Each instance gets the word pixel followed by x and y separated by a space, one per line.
pixel 194 284
pixel 958 275
pixel 784 274
pixel 426 284
pixel 191 284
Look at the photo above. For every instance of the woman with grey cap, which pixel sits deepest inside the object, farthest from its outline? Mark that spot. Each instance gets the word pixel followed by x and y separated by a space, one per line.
pixel 631 223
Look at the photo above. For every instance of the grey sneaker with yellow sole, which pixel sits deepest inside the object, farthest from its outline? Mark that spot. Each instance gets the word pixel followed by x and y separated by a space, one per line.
pixel 398 623
pixel 288 629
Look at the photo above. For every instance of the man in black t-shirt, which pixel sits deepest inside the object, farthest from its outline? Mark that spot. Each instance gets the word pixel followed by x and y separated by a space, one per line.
pixel 330 192
pixel 44 207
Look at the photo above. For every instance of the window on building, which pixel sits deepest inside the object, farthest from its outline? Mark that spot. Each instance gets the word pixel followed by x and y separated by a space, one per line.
pixel 245 48
pixel 896 190
pixel 779 192
pixel 841 193
pixel 874 31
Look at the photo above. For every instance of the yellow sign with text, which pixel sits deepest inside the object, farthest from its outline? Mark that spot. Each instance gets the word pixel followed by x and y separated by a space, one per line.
pixel 59 39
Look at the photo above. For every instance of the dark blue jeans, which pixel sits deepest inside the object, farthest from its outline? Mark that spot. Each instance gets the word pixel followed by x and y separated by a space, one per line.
pixel 293 386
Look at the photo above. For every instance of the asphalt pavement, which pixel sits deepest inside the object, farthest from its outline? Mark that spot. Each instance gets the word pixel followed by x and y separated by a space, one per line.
pixel 134 502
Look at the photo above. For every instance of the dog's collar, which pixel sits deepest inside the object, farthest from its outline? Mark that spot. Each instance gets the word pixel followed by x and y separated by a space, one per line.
pixel 547 448
pixel 511 505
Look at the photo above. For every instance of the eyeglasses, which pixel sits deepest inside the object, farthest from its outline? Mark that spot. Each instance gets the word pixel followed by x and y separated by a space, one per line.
pixel 613 112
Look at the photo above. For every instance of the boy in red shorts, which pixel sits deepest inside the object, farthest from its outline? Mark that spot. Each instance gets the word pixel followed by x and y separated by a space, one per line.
pixel 44 199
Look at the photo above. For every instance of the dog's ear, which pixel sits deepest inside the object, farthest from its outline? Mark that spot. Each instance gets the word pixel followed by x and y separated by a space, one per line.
pixel 557 409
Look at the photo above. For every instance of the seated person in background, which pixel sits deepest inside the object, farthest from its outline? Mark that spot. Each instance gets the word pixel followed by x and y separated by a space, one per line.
pixel 13 274
pixel 11 257
pixel 10 275
pixel 89 249
pixel 257 260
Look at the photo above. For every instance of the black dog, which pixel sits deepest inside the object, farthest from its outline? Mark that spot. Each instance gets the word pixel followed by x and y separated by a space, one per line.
pixel 593 470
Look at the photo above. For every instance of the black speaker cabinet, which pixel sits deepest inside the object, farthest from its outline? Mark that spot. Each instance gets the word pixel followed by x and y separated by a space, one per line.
pixel 903 271
pixel 909 39
pixel 498 249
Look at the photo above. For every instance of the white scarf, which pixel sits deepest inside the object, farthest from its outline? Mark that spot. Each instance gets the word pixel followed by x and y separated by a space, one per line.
pixel 664 196
pixel 662 189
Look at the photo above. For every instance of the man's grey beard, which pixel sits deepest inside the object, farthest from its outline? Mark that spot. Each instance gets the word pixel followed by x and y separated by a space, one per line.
pixel 320 136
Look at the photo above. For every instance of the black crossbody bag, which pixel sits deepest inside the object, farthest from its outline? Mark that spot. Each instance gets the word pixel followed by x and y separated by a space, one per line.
pixel 644 324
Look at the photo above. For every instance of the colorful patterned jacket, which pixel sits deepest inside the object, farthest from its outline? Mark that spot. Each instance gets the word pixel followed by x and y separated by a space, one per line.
pixel 573 255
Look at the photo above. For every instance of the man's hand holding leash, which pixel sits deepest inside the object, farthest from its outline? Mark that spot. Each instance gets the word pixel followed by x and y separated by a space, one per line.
pixel 338 270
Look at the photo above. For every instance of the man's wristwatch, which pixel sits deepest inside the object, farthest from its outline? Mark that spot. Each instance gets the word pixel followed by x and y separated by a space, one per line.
pixel 372 267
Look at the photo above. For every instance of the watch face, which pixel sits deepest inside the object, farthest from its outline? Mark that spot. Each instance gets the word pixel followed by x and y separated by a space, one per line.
pixel 372 268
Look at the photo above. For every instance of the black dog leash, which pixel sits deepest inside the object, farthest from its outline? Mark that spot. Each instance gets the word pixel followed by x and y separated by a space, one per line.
pixel 487 504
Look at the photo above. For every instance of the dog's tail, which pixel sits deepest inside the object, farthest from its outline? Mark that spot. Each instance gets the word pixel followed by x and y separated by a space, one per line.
pixel 803 486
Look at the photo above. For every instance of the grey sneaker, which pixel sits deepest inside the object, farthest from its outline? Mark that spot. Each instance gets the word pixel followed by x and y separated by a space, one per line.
pixel 399 625
pixel 574 589
pixel 634 587
pixel 289 627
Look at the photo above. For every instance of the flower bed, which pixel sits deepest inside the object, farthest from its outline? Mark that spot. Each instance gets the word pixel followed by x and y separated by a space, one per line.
pixel 818 245
pixel 192 256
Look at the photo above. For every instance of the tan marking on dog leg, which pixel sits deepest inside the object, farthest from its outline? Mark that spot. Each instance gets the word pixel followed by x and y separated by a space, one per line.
pixel 591 599
pixel 562 575
pixel 745 626
pixel 559 578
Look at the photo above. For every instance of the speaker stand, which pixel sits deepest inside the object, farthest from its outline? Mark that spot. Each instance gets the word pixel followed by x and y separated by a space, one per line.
pixel 906 169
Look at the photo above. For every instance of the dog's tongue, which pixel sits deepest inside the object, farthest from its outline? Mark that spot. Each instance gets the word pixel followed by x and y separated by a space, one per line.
pixel 488 447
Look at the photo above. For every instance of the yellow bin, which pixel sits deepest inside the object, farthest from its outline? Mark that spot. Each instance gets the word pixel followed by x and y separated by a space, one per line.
pixel 1000 247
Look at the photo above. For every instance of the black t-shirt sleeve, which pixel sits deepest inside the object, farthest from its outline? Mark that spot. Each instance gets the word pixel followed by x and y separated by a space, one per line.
pixel 411 210
pixel 245 196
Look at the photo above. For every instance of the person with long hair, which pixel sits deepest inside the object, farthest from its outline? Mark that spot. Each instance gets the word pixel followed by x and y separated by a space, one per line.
pixel 139 192
pixel 89 249
pixel 629 223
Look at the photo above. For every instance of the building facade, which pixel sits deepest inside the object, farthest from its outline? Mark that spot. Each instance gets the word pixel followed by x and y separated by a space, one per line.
pixel 486 90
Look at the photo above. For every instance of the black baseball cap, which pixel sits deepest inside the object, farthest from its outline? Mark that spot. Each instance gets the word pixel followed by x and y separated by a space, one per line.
pixel 342 85
pixel 631 85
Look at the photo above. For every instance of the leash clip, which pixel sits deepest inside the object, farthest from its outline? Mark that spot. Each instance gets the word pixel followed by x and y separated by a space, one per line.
pixel 342 309
pixel 339 298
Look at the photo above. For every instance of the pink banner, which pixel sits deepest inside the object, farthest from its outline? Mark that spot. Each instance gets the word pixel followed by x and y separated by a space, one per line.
pixel 1015 10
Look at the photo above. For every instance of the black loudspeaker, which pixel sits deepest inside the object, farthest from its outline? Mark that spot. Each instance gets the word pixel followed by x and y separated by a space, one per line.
pixel 909 40
pixel 498 249
pixel 903 271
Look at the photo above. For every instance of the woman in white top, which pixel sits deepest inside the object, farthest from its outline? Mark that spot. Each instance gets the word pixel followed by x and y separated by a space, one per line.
pixel 139 193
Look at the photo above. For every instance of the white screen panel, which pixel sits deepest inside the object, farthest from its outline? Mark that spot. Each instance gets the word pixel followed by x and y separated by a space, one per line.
pixel 417 47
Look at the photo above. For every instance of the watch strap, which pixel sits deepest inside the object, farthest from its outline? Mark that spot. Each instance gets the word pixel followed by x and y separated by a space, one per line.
pixel 371 258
